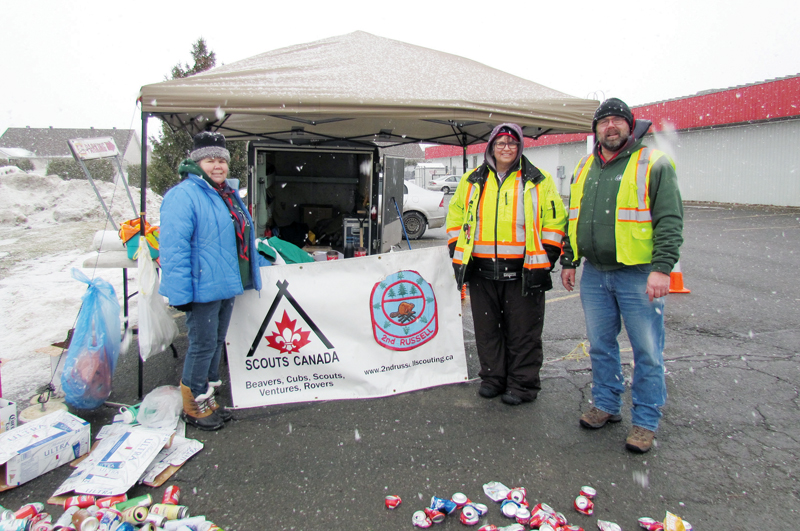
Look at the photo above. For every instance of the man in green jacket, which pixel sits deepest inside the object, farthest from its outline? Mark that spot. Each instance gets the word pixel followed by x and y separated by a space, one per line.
pixel 626 220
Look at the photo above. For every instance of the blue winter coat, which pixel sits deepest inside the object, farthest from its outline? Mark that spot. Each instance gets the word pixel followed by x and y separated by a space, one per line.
pixel 197 241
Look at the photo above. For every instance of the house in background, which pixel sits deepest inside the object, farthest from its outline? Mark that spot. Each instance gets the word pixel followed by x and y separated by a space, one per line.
pixel 46 144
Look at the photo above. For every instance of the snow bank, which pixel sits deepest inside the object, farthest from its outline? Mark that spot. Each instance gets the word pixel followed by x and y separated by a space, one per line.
pixel 36 200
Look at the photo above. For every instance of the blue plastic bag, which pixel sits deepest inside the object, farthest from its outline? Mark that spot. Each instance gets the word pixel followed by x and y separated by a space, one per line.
pixel 94 349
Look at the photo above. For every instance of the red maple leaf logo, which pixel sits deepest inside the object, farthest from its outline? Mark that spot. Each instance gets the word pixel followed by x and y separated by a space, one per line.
pixel 288 339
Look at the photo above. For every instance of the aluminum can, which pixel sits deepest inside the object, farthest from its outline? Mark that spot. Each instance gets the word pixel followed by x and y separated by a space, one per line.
pixel 460 499
pixel 543 507
pixel 193 522
pixel 110 519
pixel 420 520
pixel 110 501
pixel 434 515
pixel 687 526
pixel 26 511
pixel 83 520
pixel 546 527
pixel 469 515
pixel 539 517
pixel 561 520
pixel 65 520
pixel 523 516
pixel 589 492
pixel 518 495
pixel 158 520
pixel 83 501
pixel 6 514
pixel 481 508
pixel 126 526
pixel 134 515
pixel 332 255
pixel 509 508
pixel 16 524
pixel 584 505
pixel 446 506
pixel 488 527
pixel 146 527
pixel 41 517
pixel 42 525
pixel 604 525
pixel 571 528
pixel 172 495
pixel 172 512
pixel 650 524
pixel 496 491
pixel 392 501
pixel 139 501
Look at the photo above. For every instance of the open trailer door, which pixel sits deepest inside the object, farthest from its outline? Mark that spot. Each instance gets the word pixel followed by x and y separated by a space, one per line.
pixel 392 202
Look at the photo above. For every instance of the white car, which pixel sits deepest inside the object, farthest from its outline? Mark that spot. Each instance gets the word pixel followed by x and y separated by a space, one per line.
pixel 444 183
pixel 421 209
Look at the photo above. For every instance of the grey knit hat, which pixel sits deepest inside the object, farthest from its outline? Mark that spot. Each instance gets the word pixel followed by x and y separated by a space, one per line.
pixel 209 145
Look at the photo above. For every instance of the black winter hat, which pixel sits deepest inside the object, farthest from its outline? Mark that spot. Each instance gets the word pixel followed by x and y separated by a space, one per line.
pixel 612 107
pixel 209 145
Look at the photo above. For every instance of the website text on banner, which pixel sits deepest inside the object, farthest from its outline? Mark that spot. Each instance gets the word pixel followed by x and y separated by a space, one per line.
pixel 358 328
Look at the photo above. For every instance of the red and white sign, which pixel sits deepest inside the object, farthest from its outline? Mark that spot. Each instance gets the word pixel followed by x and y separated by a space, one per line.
pixel 94 148
pixel 356 328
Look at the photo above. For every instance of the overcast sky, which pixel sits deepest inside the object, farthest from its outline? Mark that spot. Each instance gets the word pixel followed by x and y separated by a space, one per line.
pixel 81 64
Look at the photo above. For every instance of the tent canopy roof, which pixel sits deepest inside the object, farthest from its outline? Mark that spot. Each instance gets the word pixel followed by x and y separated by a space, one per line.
pixel 361 87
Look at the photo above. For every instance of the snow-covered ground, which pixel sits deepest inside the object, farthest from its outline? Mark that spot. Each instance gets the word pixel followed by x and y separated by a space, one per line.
pixel 47 227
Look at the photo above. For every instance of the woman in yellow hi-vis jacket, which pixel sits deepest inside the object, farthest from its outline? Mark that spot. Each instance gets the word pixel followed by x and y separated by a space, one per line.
pixel 505 225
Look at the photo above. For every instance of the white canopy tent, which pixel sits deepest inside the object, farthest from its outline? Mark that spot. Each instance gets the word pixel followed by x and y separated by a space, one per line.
pixel 361 88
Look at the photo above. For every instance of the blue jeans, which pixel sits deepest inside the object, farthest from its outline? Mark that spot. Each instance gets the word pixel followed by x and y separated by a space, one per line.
pixel 606 296
pixel 207 325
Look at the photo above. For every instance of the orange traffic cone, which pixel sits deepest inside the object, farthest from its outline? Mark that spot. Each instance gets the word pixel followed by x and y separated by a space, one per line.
pixel 676 280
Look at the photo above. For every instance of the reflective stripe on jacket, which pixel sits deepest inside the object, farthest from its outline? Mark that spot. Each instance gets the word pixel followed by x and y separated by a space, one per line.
pixel 633 227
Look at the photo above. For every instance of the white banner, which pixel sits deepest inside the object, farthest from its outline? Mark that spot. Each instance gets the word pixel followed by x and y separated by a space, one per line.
pixel 355 328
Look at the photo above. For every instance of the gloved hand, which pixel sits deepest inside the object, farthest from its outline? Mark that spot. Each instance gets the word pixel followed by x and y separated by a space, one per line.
pixel 184 307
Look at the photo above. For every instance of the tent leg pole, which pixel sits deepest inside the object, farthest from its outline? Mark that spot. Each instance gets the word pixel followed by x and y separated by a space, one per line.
pixel 143 193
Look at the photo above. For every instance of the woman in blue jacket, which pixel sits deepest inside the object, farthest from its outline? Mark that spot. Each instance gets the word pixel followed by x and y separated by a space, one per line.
pixel 208 257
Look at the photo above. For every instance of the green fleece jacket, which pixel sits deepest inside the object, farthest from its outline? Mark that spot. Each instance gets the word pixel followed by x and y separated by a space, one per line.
pixel 595 231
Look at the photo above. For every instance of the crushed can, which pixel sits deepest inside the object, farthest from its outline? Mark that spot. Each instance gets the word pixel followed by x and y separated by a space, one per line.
pixel 509 508
pixel 42 525
pixel 488 527
pixel 650 524
pixel 604 525
pixel 584 505
pixel 419 519
pixel 65 520
pixel 495 491
pixel 434 515
pixel 481 508
pixel 460 499
pixel 83 501
pixel 392 501
pixel 110 501
pixel 589 492
pixel 547 527
pixel 519 495
pixel 172 495
pixel 446 506
pixel 6 514
pixel 469 515
pixel 28 510
pixel 561 520
pixel 523 516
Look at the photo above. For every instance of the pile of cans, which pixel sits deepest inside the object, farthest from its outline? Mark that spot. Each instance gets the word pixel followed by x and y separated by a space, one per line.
pixel 111 513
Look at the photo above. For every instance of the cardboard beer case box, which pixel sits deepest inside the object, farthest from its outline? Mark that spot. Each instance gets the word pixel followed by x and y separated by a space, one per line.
pixel 8 415
pixel 39 446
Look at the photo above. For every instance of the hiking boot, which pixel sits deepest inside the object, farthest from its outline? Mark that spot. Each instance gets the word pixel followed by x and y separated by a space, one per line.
pixel 215 406
pixel 196 411
pixel 511 399
pixel 597 418
pixel 487 391
pixel 639 440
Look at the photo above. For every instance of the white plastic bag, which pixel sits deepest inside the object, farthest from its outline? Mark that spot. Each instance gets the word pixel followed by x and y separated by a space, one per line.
pixel 161 408
pixel 157 328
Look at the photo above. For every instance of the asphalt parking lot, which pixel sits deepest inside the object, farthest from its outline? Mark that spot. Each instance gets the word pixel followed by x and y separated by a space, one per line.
pixel 726 454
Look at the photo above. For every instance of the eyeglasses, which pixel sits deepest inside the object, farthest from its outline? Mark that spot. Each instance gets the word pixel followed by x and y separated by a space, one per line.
pixel 616 120
pixel 503 145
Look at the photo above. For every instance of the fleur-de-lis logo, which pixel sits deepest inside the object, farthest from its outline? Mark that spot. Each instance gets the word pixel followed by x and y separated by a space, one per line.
pixel 288 339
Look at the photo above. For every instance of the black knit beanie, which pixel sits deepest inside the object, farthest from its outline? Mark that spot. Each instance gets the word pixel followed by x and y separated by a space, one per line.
pixel 209 145
pixel 612 107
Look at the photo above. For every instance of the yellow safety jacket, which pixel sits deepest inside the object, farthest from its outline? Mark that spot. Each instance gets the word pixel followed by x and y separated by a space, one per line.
pixel 633 228
pixel 511 221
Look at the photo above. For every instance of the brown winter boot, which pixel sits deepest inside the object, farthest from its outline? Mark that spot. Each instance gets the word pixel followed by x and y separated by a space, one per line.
pixel 197 413
pixel 223 413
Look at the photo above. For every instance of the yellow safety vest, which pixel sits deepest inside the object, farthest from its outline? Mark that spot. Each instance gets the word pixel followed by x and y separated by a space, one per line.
pixel 514 213
pixel 633 228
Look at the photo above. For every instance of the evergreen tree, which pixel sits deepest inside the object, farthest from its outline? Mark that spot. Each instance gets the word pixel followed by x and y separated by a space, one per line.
pixel 174 146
